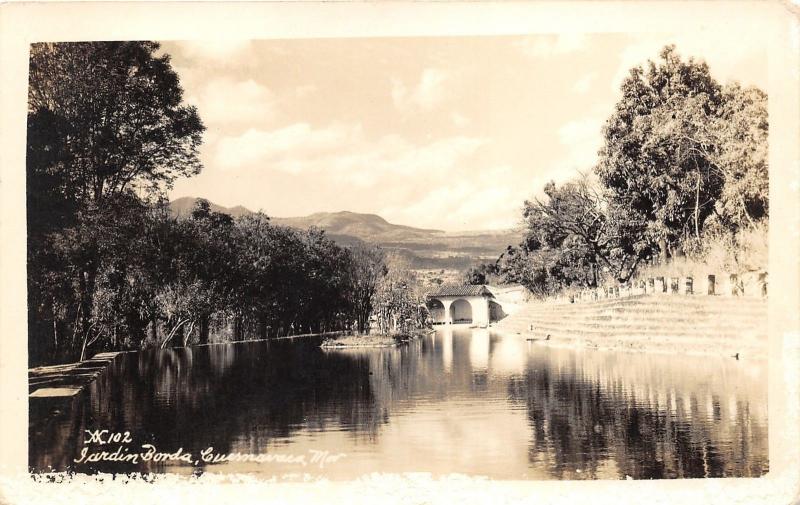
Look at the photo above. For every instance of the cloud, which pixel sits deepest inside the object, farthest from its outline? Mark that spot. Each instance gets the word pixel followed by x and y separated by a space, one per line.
pixel 223 51
pixel 426 95
pixel 583 138
pixel 279 147
pixel 305 90
pixel 473 201
pixel 584 84
pixel 580 131
pixel 341 150
pixel 460 120
pixel 547 46
pixel 224 101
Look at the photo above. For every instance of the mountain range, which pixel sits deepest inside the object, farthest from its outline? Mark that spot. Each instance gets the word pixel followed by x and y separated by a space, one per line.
pixel 424 248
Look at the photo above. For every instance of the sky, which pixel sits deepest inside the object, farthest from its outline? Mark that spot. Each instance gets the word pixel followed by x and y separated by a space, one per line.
pixel 450 133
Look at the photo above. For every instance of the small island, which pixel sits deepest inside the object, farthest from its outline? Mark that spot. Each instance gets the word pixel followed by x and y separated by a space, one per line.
pixel 393 339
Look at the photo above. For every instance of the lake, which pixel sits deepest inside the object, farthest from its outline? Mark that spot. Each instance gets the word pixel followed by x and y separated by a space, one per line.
pixel 462 400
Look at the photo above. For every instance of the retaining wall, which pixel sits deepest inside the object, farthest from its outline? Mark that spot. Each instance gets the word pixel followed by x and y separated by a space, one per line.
pixel 750 284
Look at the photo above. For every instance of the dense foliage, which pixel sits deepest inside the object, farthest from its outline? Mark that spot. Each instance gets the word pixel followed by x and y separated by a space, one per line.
pixel 683 166
pixel 110 268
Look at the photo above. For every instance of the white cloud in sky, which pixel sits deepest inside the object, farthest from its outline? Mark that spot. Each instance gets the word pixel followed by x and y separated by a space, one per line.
pixel 465 203
pixel 426 94
pixel 220 51
pixel 340 150
pixel 547 46
pixel 304 91
pixel 278 147
pixel 584 84
pixel 583 137
pixel 460 120
pixel 268 126
pixel 579 131
pixel 224 101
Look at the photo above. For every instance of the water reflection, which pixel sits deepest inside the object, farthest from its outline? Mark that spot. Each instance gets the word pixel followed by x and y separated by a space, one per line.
pixel 464 401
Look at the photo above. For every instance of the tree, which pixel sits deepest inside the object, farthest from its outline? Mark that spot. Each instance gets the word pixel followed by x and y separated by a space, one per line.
pixel 213 259
pixel 115 111
pixel 105 121
pixel 654 161
pixel 326 296
pixel 584 239
pixel 367 268
pixel 680 153
pixel 481 274
pixel 518 265
pixel 399 302
pixel 740 131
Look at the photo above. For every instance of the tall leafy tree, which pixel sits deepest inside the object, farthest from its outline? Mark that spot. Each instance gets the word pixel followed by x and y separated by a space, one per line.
pixel 740 134
pixel 652 162
pixel 400 302
pixel 115 112
pixel 367 268
pixel 573 224
pixel 105 121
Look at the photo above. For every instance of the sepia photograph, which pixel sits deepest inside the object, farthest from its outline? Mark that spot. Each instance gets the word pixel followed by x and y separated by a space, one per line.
pixel 530 256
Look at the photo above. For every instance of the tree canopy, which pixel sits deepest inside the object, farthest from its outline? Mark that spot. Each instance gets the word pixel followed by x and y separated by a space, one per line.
pixel 681 149
pixel 113 114
pixel 684 158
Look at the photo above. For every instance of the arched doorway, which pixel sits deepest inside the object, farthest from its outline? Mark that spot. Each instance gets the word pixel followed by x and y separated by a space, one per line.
pixel 436 310
pixel 460 311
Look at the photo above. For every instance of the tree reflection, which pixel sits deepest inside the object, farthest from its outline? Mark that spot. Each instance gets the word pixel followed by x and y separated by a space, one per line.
pixel 551 413
pixel 588 415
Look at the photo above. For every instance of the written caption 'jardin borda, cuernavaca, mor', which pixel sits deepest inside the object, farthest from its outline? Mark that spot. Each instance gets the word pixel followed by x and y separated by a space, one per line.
pixel 313 259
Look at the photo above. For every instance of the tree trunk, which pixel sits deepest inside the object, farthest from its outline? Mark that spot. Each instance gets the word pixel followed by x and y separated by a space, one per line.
pixel 262 328
pixel 87 279
pixel 154 329
pixel 744 209
pixel 697 209
pixel 55 337
pixel 204 329
pixel 662 251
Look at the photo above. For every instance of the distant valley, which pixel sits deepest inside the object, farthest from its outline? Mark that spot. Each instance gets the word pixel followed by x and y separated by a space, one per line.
pixel 424 249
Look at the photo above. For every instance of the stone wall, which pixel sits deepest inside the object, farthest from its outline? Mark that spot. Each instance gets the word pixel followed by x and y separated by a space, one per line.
pixel 750 284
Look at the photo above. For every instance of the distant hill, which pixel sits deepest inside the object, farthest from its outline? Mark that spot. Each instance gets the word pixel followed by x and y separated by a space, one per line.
pixel 424 248
pixel 369 227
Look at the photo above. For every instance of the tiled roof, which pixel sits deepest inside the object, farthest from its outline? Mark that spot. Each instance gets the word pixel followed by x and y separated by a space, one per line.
pixel 456 290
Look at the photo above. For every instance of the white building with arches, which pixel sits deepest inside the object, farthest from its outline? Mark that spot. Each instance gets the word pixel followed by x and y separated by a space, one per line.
pixel 474 305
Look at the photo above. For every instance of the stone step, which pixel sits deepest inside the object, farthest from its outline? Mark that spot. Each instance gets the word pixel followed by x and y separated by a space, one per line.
pixel 643 321
pixel 626 332
pixel 69 375
pixel 650 306
pixel 664 315
pixel 640 326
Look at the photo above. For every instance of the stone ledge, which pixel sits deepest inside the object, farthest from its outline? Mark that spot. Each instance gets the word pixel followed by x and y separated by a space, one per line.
pixel 68 379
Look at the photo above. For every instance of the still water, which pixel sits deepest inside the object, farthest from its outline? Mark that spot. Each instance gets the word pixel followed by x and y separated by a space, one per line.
pixel 462 401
